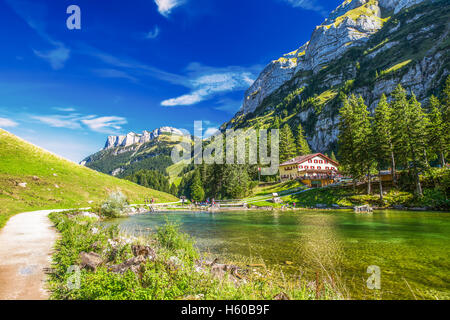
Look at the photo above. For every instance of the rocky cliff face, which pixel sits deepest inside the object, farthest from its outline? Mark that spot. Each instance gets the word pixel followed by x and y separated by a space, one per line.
pixel 352 23
pixel 134 138
pixel 364 47
pixel 347 26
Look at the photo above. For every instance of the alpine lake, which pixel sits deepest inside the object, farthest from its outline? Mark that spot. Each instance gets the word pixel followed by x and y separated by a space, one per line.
pixel 411 249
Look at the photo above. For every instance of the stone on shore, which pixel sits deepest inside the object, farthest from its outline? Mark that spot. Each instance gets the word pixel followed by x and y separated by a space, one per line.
pixel 90 260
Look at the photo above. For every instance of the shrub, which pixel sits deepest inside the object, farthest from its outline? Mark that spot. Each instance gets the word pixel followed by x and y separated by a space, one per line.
pixel 116 205
pixel 169 236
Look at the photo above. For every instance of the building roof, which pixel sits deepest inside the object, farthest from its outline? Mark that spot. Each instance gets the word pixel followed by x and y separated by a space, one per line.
pixel 301 159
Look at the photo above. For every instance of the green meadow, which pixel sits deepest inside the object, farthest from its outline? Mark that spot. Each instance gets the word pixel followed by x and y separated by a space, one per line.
pixel 54 183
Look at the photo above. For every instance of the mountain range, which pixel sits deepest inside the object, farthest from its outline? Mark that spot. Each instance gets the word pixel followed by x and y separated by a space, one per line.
pixel 135 138
pixel 125 155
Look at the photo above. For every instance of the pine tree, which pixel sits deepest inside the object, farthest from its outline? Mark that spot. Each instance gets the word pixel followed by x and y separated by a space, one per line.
pixel 399 106
pixel 436 129
pixel 354 139
pixel 417 143
pixel 197 192
pixel 410 134
pixel 333 156
pixel 236 181
pixel 347 147
pixel 302 144
pixel 173 189
pixel 362 138
pixel 383 149
pixel 287 144
pixel 276 123
pixel 445 102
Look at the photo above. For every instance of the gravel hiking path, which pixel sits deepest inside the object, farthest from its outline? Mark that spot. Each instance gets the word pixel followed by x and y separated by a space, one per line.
pixel 26 246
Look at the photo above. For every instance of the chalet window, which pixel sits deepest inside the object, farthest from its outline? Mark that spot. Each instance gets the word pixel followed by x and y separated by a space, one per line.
pixel 319 168
pixel 300 167
pixel 309 161
pixel 326 168
pixel 320 161
pixel 306 167
pixel 312 167
pixel 315 161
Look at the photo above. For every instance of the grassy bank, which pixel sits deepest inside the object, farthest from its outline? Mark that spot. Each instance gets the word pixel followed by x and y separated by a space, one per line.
pixel 33 179
pixel 175 270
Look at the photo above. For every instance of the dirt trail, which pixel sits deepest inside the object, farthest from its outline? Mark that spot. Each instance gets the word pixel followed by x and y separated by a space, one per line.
pixel 26 244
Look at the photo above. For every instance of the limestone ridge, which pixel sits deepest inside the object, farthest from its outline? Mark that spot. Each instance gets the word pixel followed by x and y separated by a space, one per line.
pixel 349 25
pixel 124 155
pixel 134 138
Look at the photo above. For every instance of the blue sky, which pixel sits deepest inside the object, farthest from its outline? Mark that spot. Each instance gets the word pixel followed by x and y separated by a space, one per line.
pixel 137 65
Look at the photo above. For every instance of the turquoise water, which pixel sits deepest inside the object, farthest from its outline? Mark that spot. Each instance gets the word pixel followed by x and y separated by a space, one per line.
pixel 411 248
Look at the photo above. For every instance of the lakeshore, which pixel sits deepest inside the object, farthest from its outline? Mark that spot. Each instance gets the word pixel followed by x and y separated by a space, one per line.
pixel 408 246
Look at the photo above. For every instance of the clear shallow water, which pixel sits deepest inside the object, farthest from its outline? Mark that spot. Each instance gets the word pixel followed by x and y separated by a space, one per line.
pixel 411 248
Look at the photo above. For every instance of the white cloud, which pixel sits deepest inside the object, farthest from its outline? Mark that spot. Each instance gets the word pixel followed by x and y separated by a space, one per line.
pixel 186 100
pixel 203 81
pixel 57 121
pixel 307 5
pixel 105 124
pixel 113 73
pixel 64 109
pixel 207 81
pixel 56 57
pixel 153 34
pixel 210 132
pixel 165 7
pixel 7 123
pixel 136 68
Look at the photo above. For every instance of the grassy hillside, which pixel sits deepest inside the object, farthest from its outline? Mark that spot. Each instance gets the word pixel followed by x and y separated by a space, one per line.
pixel 175 172
pixel 53 182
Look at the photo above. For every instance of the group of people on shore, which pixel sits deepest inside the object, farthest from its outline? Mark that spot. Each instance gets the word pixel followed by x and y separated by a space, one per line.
pixel 207 203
